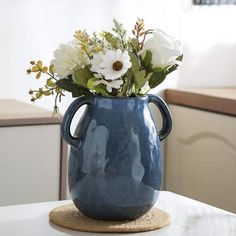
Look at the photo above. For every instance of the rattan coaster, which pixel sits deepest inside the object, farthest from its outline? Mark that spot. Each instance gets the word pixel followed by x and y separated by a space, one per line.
pixel 68 216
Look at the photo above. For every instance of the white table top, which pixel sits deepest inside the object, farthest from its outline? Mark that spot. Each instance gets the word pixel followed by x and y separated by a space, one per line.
pixel 189 218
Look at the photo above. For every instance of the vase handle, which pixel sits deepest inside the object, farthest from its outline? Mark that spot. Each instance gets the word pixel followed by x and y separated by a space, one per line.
pixel 68 117
pixel 165 114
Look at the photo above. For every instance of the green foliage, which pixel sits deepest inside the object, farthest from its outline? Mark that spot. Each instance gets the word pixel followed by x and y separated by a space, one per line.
pixel 180 58
pixel 121 40
pixel 47 93
pixel 135 62
pixel 170 69
pixel 139 80
pixel 98 88
pixel 134 44
pixel 84 41
pixel 156 79
pixel 147 61
pixel 82 75
pixel 110 38
pixel 140 76
pixel 50 83
pixel 51 69
pixel 74 88
pixel 119 29
pixel 127 85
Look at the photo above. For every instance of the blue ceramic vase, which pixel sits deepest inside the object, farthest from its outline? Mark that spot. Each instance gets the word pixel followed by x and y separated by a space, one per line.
pixel 115 163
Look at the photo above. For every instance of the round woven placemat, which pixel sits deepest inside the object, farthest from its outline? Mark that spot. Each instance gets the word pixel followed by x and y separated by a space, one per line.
pixel 68 216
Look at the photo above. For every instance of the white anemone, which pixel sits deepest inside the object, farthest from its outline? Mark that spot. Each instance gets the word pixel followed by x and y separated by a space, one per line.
pixel 111 64
pixel 68 57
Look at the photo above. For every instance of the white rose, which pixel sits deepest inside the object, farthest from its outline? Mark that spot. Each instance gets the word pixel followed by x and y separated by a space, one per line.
pixel 165 49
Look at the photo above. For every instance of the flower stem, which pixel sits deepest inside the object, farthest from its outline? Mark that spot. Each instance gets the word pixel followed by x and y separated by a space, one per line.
pixel 86 51
pixel 150 31
pixel 147 91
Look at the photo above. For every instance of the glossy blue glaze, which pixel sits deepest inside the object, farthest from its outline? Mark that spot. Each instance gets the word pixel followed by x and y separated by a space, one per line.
pixel 115 164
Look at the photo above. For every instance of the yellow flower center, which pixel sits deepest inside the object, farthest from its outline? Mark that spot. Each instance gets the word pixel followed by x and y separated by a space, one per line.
pixel 117 65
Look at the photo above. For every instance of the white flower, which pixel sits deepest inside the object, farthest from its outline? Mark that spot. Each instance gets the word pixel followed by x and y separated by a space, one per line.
pixel 111 64
pixel 67 58
pixel 165 49
pixel 110 84
pixel 97 59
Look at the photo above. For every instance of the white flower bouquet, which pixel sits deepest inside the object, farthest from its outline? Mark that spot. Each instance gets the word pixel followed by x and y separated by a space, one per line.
pixel 110 64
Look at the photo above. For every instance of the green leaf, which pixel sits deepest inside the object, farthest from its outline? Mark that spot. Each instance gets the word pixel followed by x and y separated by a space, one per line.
pixel 80 91
pixel 140 77
pixel 91 81
pixel 47 93
pixel 51 69
pixel 118 28
pixel 35 69
pixel 149 75
pixel 58 89
pixel 111 39
pixel 39 95
pixel 139 80
pixel 158 70
pixel 135 62
pixel 147 61
pixel 82 75
pixel 50 83
pixel 156 79
pixel 100 88
pixel 127 84
pixel 44 69
pixel 134 43
pixel 65 84
pixel 38 75
pixel 180 58
pixel 39 64
pixel 72 87
pixel 170 69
